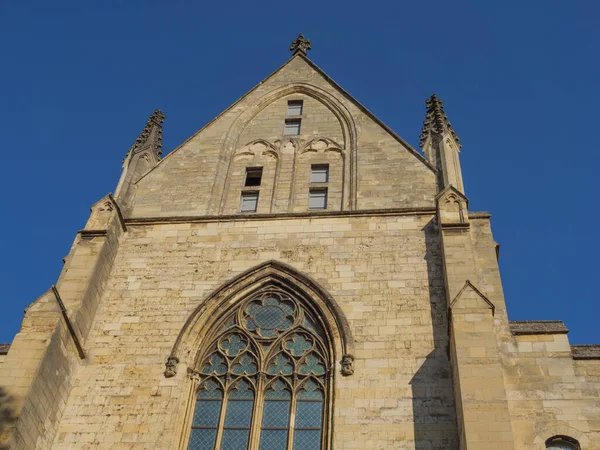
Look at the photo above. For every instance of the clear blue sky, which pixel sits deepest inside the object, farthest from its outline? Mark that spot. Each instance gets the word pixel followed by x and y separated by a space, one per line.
pixel 519 81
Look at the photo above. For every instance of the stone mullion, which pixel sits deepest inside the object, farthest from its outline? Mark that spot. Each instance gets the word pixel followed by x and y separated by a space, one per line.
pixel 221 425
pixel 295 389
pixel 257 413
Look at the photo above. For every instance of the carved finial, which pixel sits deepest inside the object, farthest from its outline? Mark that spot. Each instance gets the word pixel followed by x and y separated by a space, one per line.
pixel 436 121
pixel 155 121
pixel 300 45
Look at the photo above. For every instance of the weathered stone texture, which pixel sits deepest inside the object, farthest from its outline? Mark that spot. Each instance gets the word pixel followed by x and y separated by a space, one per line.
pixel 162 272
pixel 411 275
pixel 188 184
pixel 549 393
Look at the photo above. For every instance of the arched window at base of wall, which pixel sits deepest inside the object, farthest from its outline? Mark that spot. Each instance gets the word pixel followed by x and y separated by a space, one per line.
pixel 562 443
pixel 264 378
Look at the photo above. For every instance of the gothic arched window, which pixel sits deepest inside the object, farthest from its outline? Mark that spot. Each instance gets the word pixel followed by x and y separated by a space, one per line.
pixel 263 379
pixel 562 443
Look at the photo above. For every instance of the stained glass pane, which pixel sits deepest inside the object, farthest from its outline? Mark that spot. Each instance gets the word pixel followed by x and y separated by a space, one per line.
pixel 269 317
pixel 216 365
pixel 285 324
pixel 273 439
pixel 278 391
pixel 253 308
pixel 298 345
pixel 206 413
pixel 309 323
pixel 276 414
pixel 202 439
pixel 312 364
pixel 288 308
pixel 233 345
pixel 245 364
pixel 242 390
pixel 308 414
pixel 235 439
pixel 250 324
pixel 307 439
pixel 210 389
pixel 310 391
pixel 239 413
pixel 271 301
pixel 281 365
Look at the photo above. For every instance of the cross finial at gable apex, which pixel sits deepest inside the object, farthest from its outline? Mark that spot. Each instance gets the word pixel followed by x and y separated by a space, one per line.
pixel 300 45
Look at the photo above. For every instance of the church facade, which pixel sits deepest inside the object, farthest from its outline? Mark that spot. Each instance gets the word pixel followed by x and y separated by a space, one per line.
pixel 293 276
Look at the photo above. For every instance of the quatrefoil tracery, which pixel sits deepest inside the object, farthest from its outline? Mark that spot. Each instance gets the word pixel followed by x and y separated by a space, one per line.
pixel 271 335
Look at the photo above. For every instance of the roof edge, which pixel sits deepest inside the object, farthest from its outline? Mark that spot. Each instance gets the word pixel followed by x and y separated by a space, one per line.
pixel 346 94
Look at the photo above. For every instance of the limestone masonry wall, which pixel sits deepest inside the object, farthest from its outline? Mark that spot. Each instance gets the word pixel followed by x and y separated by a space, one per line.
pixel 437 364
pixel 388 284
pixel 193 179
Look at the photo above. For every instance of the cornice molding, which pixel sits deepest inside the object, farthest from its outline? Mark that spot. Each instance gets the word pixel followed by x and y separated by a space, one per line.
pixel 529 327
pixel 589 351
pixel 425 211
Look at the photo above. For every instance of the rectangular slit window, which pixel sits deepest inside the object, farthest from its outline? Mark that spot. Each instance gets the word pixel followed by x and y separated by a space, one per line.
pixel 253 176
pixel 292 127
pixel 295 108
pixel 317 199
pixel 249 202
pixel 319 173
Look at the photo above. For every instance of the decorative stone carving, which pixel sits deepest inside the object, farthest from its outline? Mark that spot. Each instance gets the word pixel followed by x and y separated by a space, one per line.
pixel 452 206
pixel 470 297
pixel 436 121
pixel 155 121
pixel 347 364
pixel 171 366
pixel 101 214
pixel 322 144
pixel 300 45
pixel 256 147
pixel 106 207
pixel 193 375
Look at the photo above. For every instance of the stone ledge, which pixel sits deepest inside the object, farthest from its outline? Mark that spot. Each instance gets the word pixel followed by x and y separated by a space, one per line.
pixel 4 349
pixel 479 215
pixel 525 327
pixel 92 233
pixel 590 351
pixel 280 216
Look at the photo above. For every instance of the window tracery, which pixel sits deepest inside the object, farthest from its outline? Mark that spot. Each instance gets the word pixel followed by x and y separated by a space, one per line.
pixel 263 379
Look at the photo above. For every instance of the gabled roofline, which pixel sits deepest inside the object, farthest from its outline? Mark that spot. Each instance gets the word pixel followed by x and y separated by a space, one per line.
pixel 329 80
pixel 367 112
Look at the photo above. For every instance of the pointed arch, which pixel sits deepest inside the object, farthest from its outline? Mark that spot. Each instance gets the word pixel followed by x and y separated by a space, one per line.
pixel 260 354
pixel 231 139
pixel 270 273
